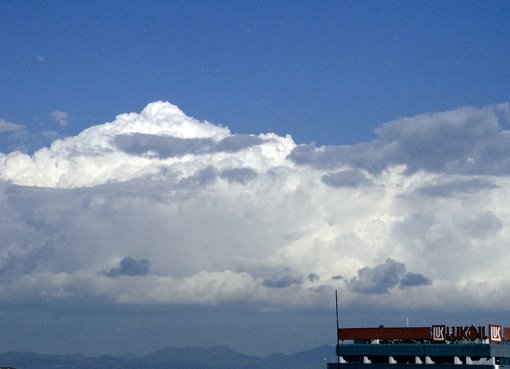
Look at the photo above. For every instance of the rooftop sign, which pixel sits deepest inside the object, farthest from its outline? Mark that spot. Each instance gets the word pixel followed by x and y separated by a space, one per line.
pixel 436 333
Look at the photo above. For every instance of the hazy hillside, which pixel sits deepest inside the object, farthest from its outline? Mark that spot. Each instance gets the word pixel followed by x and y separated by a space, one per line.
pixel 174 358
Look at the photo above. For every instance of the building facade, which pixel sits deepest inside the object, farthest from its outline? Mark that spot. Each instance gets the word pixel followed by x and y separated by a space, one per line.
pixel 438 347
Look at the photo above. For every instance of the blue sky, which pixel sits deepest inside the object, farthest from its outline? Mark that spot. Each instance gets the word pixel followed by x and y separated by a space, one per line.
pixel 367 150
pixel 328 72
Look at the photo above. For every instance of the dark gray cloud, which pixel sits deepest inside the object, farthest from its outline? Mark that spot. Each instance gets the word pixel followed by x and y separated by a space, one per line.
pixel 463 141
pixel 368 156
pixel 413 279
pixel 209 174
pixel 346 178
pixel 237 143
pixel 239 175
pixel 161 146
pixel 312 277
pixel 449 189
pixel 22 259
pixel 339 278
pixel 381 278
pixel 282 281
pixel 481 225
pixel 200 178
pixel 169 146
pixel 130 267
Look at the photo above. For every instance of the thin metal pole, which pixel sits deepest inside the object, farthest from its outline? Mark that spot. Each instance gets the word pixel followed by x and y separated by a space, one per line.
pixel 337 328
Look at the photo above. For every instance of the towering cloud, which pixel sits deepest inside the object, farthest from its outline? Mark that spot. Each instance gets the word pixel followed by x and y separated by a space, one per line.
pixel 160 208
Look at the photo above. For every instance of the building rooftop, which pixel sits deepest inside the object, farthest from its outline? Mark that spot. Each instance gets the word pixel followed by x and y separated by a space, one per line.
pixel 438 346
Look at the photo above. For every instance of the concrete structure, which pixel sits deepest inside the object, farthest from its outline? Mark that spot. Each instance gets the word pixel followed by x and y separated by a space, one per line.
pixel 436 347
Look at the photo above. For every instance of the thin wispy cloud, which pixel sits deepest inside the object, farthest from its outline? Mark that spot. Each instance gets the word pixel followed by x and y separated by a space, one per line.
pixel 6 126
pixel 60 117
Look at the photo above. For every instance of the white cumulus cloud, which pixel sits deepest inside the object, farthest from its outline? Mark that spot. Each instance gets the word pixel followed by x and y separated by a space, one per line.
pixel 157 207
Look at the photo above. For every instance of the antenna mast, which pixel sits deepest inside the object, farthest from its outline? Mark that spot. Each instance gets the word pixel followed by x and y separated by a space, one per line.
pixel 337 328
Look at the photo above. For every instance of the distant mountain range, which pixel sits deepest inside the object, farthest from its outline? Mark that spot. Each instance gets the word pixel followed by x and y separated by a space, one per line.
pixel 174 358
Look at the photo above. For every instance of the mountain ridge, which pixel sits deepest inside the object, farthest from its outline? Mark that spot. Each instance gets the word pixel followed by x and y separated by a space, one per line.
pixel 194 357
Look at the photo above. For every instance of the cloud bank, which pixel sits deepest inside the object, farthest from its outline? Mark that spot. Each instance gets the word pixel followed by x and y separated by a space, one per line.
pixel 159 208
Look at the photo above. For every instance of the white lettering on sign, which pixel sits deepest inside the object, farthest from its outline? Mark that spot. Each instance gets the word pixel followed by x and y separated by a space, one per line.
pixel 438 333
pixel 495 333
